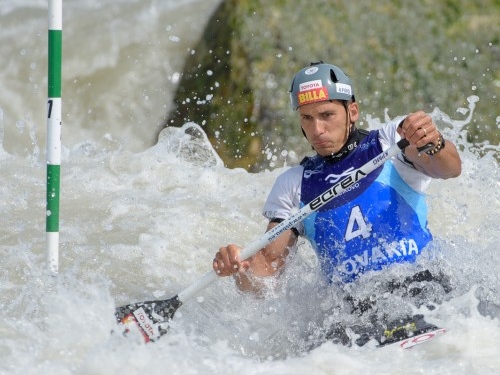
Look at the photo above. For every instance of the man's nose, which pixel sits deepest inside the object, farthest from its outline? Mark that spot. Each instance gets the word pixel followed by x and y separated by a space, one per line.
pixel 317 126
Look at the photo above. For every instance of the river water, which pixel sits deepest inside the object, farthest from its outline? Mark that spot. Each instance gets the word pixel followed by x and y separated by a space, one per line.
pixel 142 221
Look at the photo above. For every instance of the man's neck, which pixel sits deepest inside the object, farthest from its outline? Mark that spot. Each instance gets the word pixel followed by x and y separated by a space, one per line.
pixel 355 136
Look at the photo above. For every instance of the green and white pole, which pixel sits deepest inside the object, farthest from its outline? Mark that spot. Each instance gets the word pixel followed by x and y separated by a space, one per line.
pixel 54 125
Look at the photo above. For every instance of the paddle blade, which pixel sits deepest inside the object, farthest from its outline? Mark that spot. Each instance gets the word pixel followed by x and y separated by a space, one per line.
pixel 409 332
pixel 151 317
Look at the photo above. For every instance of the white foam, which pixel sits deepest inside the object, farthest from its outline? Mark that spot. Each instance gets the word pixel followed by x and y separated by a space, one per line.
pixel 142 222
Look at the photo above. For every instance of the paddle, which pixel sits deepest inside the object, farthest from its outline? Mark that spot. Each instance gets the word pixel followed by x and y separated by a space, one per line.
pixel 152 317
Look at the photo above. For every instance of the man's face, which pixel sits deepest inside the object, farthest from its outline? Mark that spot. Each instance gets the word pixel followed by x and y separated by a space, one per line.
pixel 326 124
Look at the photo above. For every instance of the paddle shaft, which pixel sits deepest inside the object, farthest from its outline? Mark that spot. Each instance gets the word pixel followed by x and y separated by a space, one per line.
pixel 334 191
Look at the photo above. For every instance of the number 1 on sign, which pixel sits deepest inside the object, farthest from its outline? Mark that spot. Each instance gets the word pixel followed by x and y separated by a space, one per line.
pixel 49 109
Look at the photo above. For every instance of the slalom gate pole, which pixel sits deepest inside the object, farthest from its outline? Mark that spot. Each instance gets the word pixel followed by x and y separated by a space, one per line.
pixel 54 125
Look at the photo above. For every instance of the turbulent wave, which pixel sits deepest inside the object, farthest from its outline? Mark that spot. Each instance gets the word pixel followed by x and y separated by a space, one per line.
pixel 137 226
pixel 144 222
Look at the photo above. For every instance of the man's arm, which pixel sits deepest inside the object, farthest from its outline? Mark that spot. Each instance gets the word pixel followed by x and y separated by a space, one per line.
pixel 419 129
pixel 266 262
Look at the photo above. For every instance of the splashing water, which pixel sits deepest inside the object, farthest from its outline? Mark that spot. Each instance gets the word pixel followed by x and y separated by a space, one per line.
pixel 145 225
pixel 140 223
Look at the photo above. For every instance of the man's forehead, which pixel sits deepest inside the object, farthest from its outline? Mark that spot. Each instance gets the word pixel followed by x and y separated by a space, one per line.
pixel 318 107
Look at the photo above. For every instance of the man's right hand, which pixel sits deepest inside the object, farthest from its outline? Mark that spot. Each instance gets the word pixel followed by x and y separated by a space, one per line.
pixel 227 261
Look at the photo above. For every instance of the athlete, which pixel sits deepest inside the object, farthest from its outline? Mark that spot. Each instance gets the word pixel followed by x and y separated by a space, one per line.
pixel 381 220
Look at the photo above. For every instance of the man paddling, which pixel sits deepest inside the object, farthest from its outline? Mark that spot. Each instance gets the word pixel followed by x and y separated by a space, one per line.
pixel 380 220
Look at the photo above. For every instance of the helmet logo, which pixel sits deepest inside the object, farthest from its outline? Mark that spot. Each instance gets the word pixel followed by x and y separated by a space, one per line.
pixel 309 85
pixel 311 70
pixel 314 95
pixel 343 88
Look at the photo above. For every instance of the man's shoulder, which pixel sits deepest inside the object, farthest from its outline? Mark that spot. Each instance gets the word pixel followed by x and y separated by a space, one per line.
pixel 292 173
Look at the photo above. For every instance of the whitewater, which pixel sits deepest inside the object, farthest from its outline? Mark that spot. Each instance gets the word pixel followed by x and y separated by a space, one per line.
pixel 141 219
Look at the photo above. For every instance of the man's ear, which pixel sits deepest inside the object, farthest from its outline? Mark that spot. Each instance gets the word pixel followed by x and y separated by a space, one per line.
pixel 353 111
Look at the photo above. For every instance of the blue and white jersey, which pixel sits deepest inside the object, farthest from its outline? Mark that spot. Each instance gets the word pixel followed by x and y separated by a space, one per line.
pixel 380 220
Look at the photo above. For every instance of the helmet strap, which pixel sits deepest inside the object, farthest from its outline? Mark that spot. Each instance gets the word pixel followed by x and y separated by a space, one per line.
pixel 352 142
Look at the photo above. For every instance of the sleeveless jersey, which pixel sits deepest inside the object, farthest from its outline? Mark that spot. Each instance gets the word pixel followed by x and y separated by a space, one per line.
pixel 378 221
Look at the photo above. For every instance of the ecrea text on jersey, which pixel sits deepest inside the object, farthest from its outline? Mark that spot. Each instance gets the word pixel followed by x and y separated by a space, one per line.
pixel 337 189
